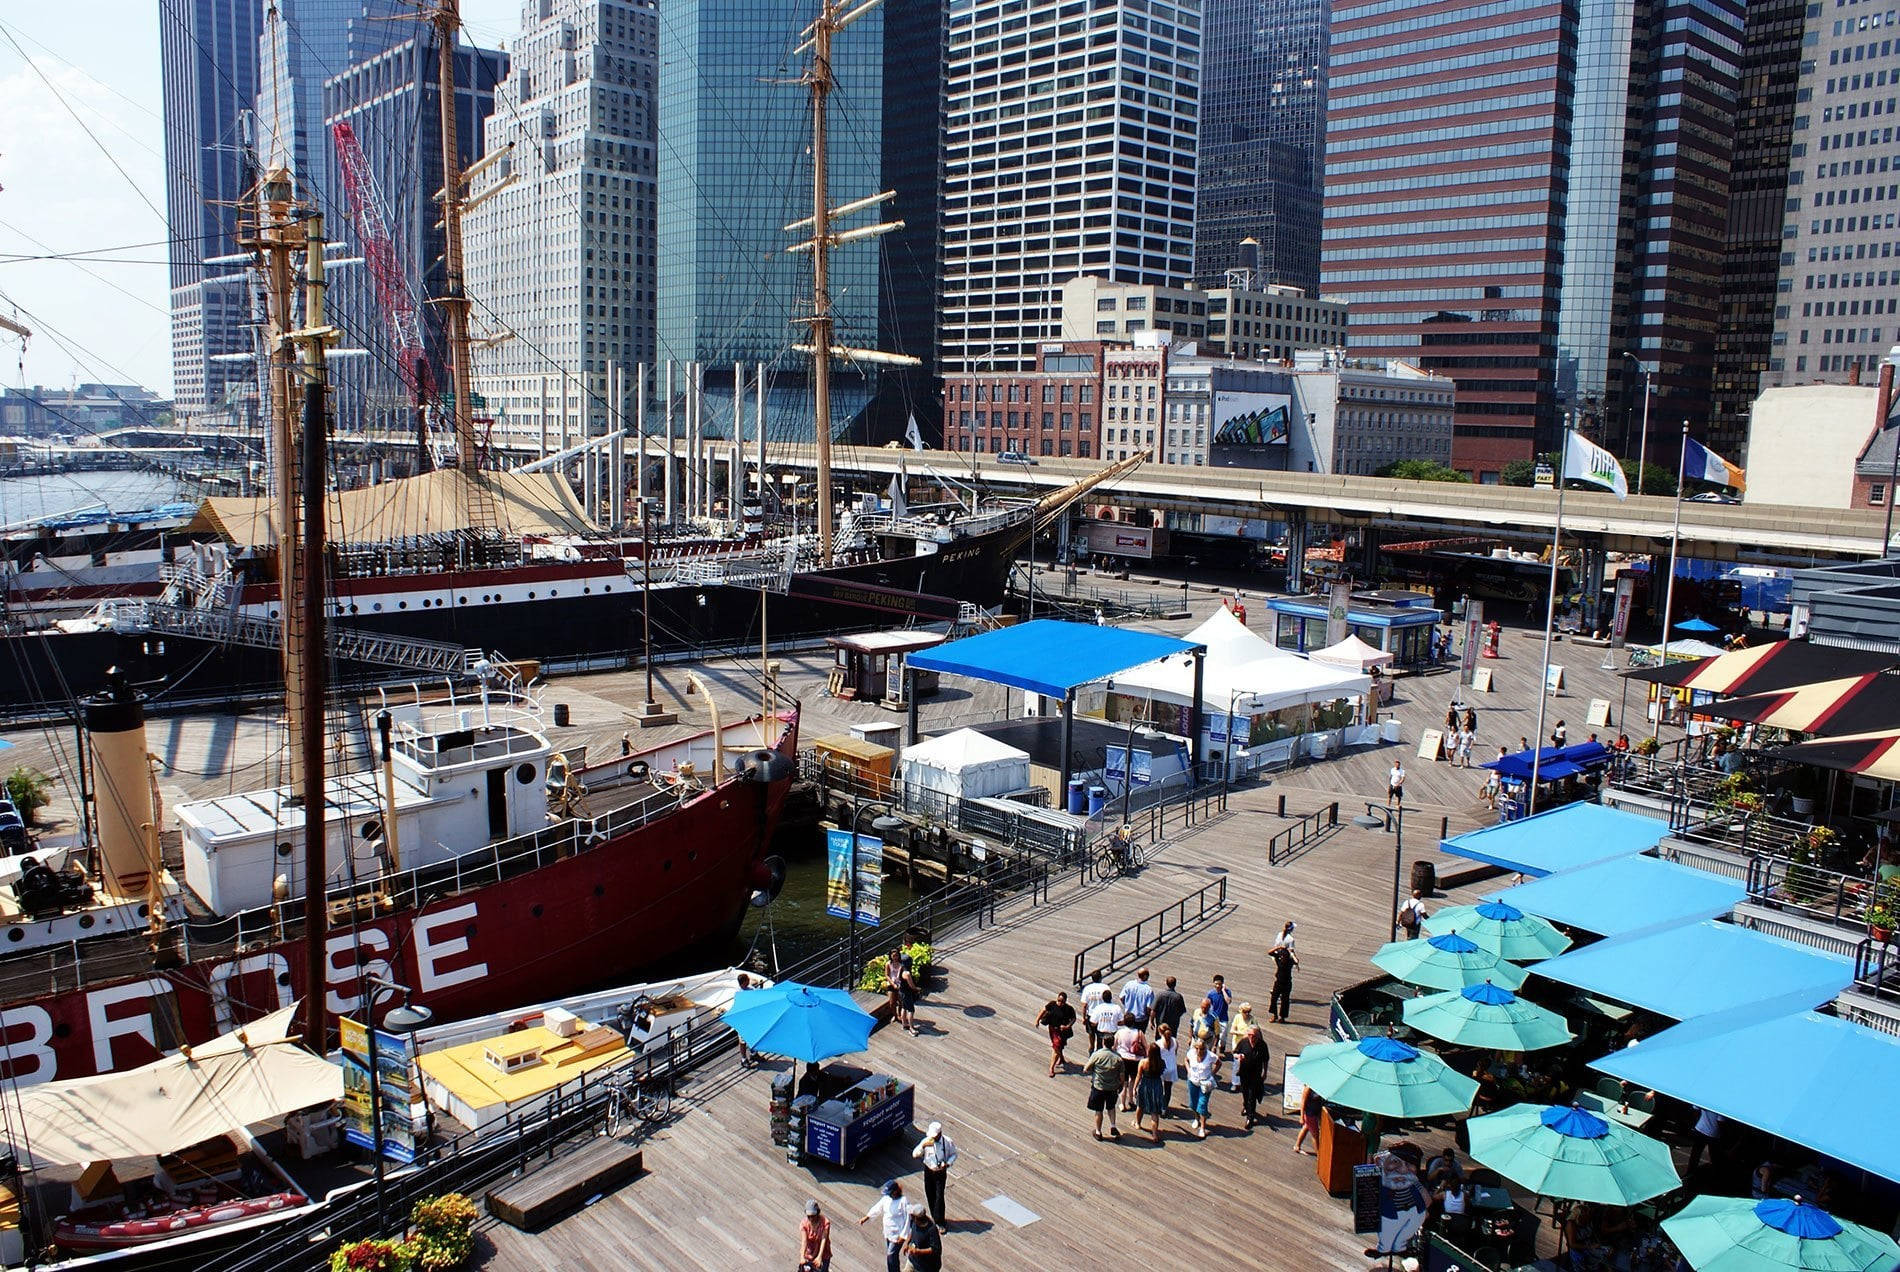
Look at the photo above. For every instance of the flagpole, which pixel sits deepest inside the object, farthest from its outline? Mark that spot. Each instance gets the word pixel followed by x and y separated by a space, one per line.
pixel 1669 589
pixel 1550 619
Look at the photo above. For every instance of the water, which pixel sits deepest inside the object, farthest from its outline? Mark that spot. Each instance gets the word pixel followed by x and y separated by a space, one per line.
pixel 797 920
pixel 28 500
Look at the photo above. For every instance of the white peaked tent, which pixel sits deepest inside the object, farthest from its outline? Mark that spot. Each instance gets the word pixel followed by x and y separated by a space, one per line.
pixel 1242 669
pixel 1354 653
pixel 965 764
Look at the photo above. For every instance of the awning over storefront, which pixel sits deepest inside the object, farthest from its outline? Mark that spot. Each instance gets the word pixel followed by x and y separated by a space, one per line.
pixel 1850 704
pixel 1561 839
pixel 1780 665
pixel 1698 969
pixel 1869 754
pixel 1627 894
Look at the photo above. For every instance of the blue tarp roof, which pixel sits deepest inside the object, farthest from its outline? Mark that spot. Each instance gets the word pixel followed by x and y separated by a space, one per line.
pixel 1626 894
pixel 1818 1081
pixel 1048 657
pixel 1561 839
pixel 1552 761
pixel 1698 969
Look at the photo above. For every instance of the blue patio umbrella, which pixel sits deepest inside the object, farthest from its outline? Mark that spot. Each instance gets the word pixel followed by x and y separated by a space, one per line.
pixel 1697 625
pixel 1736 1234
pixel 1501 928
pixel 1385 1076
pixel 800 1022
pixel 1487 1016
pixel 1446 962
pixel 1569 1153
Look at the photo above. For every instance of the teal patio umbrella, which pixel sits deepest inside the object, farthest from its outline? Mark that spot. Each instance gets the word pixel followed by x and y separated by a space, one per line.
pixel 1502 928
pixel 1735 1234
pixel 1385 1076
pixel 799 1022
pixel 1488 1016
pixel 1445 962
pixel 1570 1153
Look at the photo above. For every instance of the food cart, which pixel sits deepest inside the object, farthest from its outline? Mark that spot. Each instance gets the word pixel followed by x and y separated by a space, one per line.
pixel 842 1123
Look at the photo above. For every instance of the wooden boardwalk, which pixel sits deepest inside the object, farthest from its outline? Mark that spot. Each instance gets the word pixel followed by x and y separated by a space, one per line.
pixel 719 1193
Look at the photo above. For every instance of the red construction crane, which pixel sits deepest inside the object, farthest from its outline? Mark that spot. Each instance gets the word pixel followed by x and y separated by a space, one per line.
pixel 392 288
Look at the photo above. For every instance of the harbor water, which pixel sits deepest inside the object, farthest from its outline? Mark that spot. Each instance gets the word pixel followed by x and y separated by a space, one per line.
pixel 26 501
pixel 796 926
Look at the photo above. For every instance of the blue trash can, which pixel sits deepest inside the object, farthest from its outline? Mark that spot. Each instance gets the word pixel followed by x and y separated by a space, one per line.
pixel 1098 798
pixel 1078 795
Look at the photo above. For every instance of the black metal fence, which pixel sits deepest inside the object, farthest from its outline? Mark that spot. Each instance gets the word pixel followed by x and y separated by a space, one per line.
pixel 1306 830
pixel 1114 951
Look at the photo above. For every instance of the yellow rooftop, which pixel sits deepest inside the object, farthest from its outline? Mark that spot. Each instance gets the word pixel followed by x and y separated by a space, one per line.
pixel 472 1080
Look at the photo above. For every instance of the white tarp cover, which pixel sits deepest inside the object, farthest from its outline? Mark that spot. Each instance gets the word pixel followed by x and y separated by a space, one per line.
pixel 1352 652
pixel 966 764
pixel 440 502
pixel 235 1081
pixel 1244 669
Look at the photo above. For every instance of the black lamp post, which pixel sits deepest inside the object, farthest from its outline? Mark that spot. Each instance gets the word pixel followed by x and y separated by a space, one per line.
pixel 1378 818
pixel 405 1019
pixel 883 825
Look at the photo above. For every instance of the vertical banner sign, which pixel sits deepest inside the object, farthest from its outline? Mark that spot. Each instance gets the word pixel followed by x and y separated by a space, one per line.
pixel 1337 605
pixel 1620 614
pixel 839 868
pixel 404 1114
pixel 1474 641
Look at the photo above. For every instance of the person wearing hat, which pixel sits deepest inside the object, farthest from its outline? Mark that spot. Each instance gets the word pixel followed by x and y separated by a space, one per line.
pixel 895 1213
pixel 939 1154
pixel 925 1242
pixel 814 1240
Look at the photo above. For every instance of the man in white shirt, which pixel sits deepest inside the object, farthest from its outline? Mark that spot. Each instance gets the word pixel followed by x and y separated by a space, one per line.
pixel 894 1210
pixel 1105 1017
pixel 1412 915
pixel 1395 784
pixel 1138 999
pixel 1092 993
pixel 938 1153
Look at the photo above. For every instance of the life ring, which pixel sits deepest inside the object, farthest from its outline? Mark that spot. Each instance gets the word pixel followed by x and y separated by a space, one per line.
pixel 638 770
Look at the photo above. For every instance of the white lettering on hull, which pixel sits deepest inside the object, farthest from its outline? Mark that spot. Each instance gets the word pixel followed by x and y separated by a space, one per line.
pixel 30 1050
pixel 431 952
pixel 104 1028
pixel 224 973
pixel 341 969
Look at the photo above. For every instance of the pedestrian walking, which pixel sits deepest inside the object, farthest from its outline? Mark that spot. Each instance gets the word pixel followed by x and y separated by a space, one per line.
pixel 907 995
pixel 1280 1001
pixel 925 1242
pixel 1169 1008
pixel 1412 914
pixel 1287 937
pixel 1204 1025
pixel 1131 1045
pixel 1243 1022
pixel 1149 1101
pixel 1465 739
pixel 938 1152
pixel 1451 719
pixel 1471 721
pixel 814 1240
pixel 1310 1105
pixel 1202 1067
pixel 894 1213
pixel 1220 1006
pixel 745 1056
pixel 1560 734
pixel 1104 1070
pixel 1059 1019
pixel 1250 1072
pixel 1105 1017
pixel 1138 998
pixel 1170 1065
pixel 1395 784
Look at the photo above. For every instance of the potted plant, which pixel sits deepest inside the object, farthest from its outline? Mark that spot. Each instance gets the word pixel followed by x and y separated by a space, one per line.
pixel 1880 922
pixel 444 1232
pixel 1647 746
pixel 1821 840
pixel 373 1255
pixel 30 790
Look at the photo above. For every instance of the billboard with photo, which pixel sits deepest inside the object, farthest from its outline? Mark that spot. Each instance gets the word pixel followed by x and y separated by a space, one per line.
pixel 1251 430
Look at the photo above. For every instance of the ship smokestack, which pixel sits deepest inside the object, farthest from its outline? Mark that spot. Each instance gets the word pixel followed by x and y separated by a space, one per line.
pixel 122 787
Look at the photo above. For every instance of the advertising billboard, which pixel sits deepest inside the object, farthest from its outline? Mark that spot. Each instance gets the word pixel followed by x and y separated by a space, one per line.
pixel 1251 430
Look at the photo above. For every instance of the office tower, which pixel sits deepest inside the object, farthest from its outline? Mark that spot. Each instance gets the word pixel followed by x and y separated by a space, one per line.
pixel 1070 150
pixel 390 103
pixel 1758 190
pixel 1836 301
pixel 304 43
pixel 208 56
pixel 559 241
pixel 1263 125
pixel 913 123
pixel 1647 215
pixel 735 170
pixel 1444 211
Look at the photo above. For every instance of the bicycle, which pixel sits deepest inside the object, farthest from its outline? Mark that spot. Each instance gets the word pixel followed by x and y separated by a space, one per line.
pixel 1114 857
pixel 647 1100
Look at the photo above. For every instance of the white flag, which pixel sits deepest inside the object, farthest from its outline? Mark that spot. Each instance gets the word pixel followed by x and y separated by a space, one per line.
pixel 912 435
pixel 1584 460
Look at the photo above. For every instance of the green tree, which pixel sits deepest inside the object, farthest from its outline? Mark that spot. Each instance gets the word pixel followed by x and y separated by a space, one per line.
pixel 30 790
pixel 1657 480
pixel 1519 472
pixel 1421 470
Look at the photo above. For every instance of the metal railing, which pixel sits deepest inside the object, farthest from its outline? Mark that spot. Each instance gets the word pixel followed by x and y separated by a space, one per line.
pixel 1827 896
pixel 1306 830
pixel 1877 969
pixel 1147 935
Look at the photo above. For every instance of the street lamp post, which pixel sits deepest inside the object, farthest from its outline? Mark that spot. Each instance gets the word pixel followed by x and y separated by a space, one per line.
pixel 1642 442
pixel 1377 818
pixel 404 1019
pixel 860 805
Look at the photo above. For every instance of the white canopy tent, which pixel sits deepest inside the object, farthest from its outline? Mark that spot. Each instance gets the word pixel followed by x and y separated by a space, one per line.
pixel 1243 670
pixel 1354 653
pixel 965 765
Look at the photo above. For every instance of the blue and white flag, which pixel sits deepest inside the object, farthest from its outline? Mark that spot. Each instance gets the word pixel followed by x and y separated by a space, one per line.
pixel 1700 462
pixel 1584 460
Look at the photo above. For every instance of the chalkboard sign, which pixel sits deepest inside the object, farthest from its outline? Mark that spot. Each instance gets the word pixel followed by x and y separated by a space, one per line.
pixel 1365 1198
pixel 1430 744
pixel 1292 1090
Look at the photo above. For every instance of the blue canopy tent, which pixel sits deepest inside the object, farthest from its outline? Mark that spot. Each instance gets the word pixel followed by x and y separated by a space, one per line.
pixel 1561 839
pixel 1699 969
pixel 1626 894
pixel 1815 1080
pixel 1055 659
pixel 1552 762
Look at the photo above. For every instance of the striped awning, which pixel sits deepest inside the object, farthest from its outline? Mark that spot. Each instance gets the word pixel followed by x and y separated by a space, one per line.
pixel 1780 665
pixel 1851 704
pixel 1869 754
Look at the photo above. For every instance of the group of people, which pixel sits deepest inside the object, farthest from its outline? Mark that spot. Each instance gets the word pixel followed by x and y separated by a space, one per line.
pixel 912 1230
pixel 1135 1054
pixel 1461 733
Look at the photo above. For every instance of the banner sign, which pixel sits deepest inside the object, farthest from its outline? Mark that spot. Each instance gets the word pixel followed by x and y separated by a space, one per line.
pixel 1338 606
pixel 1474 640
pixel 1117 757
pixel 1620 614
pixel 869 869
pixel 404 1113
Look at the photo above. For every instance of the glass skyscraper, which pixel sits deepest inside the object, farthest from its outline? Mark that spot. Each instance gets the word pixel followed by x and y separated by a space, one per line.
pixel 1263 125
pixel 304 43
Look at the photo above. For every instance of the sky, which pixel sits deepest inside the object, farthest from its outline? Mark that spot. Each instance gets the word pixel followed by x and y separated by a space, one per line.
pixel 82 177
